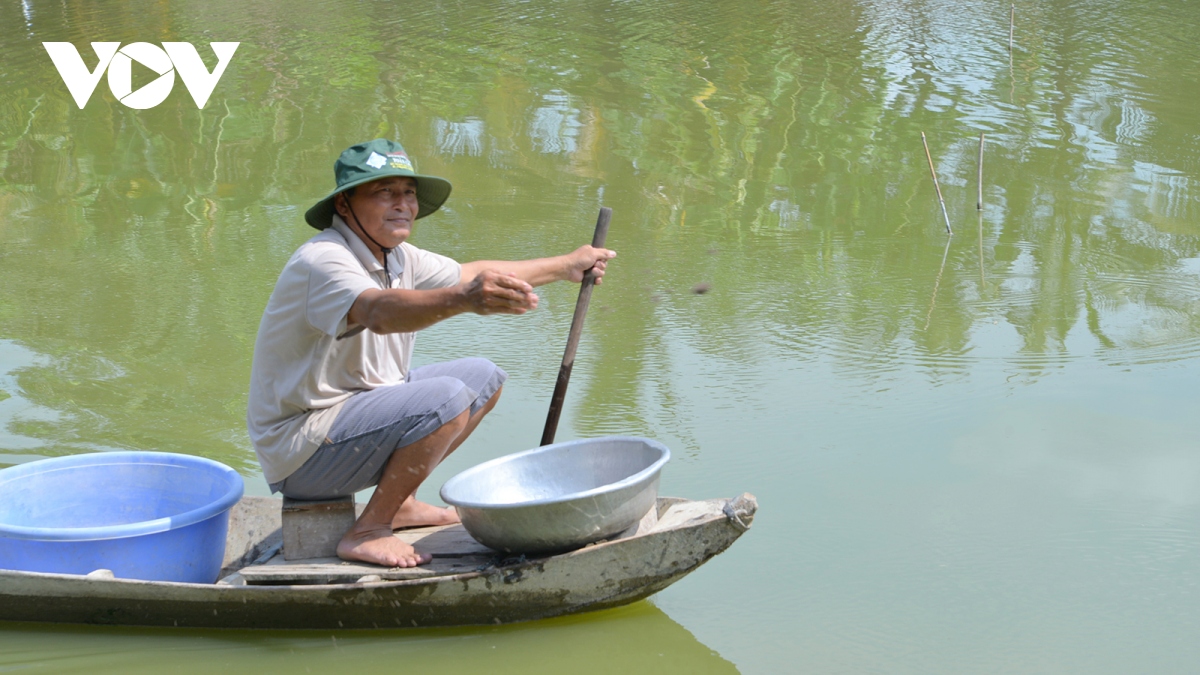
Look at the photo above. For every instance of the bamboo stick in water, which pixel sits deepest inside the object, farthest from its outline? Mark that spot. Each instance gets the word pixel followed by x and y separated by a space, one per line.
pixel 936 184
pixel 1012 20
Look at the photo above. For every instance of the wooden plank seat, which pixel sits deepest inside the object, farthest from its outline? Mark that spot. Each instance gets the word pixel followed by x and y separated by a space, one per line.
pixel 312 529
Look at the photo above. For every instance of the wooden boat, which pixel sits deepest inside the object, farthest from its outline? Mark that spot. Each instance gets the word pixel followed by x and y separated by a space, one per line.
pixel 466 583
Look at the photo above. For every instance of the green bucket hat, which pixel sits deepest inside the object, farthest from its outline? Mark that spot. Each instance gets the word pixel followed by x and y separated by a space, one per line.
pixel 370 161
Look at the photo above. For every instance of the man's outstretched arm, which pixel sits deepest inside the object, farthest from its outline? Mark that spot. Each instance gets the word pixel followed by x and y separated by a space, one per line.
pixel 541 271
pixel 488 287
pixel 396 310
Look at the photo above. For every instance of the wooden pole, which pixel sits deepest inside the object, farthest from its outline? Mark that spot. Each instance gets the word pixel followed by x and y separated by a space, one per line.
pixel 581 307
pixel 979 204
pixel 935 183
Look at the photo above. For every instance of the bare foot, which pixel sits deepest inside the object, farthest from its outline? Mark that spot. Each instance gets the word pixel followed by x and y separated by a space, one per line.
pixel 413 513
pixel 379 547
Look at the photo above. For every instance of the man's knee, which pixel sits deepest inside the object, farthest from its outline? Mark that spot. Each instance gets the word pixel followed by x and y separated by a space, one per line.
pixel 437 404
pixel 487 379
pixel 442 394
pixel 479 363
pixel 491 402
pixel 457 424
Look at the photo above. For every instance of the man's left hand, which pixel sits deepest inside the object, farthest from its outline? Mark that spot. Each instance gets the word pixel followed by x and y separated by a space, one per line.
pixel 587 258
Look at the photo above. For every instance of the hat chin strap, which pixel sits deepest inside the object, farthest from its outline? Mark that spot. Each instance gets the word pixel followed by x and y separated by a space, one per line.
pixel 386 251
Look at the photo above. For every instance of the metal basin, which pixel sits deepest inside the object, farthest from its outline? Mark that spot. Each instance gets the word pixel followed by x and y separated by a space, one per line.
pixel 560 496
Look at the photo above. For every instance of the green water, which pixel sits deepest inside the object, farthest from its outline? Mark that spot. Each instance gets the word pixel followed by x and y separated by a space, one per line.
pixel 972 453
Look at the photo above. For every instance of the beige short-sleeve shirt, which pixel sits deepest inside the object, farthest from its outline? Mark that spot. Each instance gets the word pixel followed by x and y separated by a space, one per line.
pixel 302 374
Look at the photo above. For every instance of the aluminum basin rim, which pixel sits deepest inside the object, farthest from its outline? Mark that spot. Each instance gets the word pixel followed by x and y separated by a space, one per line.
pixel 125 530
pixel 636 478
pixel 611 488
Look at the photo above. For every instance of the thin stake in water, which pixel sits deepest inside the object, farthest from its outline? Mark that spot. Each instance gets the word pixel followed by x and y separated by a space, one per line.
pixel 1012 19
pixel 935 183
pixel 979 204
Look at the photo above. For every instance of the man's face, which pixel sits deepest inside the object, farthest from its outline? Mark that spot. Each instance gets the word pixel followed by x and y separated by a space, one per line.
pixel 386 209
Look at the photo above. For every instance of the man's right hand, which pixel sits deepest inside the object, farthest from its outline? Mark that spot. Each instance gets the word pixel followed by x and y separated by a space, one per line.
pixel 492 292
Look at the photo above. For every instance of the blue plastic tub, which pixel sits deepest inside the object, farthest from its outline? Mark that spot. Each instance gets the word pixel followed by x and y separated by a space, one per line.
pixel 144 515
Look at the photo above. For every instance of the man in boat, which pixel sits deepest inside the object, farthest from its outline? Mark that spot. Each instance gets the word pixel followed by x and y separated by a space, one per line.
pixel 334 407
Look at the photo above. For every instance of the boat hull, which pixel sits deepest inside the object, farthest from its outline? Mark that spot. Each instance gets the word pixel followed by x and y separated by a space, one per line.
pixel 604 575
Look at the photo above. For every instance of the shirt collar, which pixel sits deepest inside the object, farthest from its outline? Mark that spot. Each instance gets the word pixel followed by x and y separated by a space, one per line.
pixel 361 251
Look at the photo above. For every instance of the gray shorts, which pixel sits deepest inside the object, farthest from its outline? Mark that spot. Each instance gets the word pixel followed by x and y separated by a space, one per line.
pixel 374 424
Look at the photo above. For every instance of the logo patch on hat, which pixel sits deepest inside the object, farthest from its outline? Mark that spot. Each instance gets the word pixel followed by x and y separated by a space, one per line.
pixel 376 160
pixel 399 160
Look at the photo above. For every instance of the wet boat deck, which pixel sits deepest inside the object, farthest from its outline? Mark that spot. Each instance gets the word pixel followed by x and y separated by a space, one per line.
pixel 453 550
